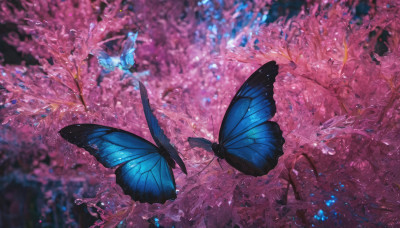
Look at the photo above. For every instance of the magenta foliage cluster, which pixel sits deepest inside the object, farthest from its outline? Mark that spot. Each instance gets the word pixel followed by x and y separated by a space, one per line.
pixel 337 103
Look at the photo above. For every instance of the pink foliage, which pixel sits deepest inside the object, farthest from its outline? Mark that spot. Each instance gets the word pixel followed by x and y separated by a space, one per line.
pixel 339 109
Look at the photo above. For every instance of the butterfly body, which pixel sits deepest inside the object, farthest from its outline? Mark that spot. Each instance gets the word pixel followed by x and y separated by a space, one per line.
pixel 248 141
pixel 144 169
pixel 219 150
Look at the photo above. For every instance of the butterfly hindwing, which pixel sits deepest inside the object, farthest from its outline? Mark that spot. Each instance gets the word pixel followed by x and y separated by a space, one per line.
pixel 143 173
pixel 152 182
pixel 156 132
pixel 256 152
pixel 106 61
pixel 200 142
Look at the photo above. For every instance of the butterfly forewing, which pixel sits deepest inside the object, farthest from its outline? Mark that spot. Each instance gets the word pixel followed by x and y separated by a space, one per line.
pixel 252 143
pixel 127 56
pixel 157 133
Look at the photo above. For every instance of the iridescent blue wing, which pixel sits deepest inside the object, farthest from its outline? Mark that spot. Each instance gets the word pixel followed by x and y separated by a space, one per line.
pixel 128 51
pixel 106 61
pixel 156 132
pixel 252 144
pixel 143 173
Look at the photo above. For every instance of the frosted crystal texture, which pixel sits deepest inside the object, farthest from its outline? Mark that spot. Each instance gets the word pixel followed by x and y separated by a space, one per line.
pixel 336 94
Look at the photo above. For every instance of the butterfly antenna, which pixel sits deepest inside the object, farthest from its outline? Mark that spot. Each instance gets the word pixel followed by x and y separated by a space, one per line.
pixel 194 130
pixel 212 122
pixel 220 103
pixel 219 162
pixel 206 166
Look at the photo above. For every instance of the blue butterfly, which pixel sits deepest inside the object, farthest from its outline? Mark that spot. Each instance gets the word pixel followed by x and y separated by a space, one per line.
pixel 125 61
pixel 144 170
pixel 247 140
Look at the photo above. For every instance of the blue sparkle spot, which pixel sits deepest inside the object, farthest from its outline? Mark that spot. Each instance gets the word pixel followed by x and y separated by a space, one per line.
pixel 206 100
pixel 242 6
pixel 320 216
pixel 264 18
pixel 43 115
pixel 244 41
pixel 312 194
pixel 202 2
pixel 13 101
pixel 331 201
pixel 213 66
pixel 64 208
pixel 156 222
pixel 218 77
pixel 213 28
pixel 255 44
pixel 22 86
pixel 144 73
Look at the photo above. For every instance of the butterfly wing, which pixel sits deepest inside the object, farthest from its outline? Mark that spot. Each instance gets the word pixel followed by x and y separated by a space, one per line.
pixel 158 134
pixel 128 51
pixel 252 144
pixel 144 174
pixel 106 61
pixel 200 142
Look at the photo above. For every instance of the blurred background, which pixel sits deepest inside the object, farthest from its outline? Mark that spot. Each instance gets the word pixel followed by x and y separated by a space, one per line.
pixel 337 105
